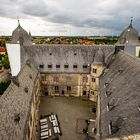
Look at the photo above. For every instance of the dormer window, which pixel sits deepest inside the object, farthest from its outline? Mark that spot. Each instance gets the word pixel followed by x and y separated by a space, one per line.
pixel 75 66
pixel 120 70
pixel 57 66
pixel 41 66
pixel 26 89
pixel 66 66
pixel 17 118
pixel 49 66
pixel 94 70
pixel 111 104
pixel 107 93
pixel 85 66
pixel 115 125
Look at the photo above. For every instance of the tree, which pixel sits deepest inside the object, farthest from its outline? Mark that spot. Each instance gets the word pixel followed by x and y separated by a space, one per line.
pixel 5 62
pixel 3 86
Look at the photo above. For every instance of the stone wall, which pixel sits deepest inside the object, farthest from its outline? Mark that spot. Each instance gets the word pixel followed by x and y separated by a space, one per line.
pixel 65 84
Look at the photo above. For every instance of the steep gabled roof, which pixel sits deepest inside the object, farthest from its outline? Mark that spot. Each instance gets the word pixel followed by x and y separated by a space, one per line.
pixel 64 54
pixel 120 98
pixel 16 102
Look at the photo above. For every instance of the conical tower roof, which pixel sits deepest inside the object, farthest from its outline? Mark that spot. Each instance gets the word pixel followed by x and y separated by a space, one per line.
pixel 129 36
pixel 19 35
pixel 99 57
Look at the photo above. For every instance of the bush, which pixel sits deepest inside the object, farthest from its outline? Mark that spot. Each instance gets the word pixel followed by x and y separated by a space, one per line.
pixel 3 86
pixel 5 62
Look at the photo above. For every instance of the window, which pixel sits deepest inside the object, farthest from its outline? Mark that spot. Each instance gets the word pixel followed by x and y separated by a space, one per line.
pixel 41 66
pixel 26 89
pixel 85 66
pixel 56 79
pixel 43 77
pixel 85 79
pixel 49 66
pixel 31 118
pixel 56 88
pixel 93 80
pixel 68 78
pixel 75 66
pixel 50 53
pixel 66 66
pixel 94 70
pixel 75 53
pixel 69 88
pixel 28 131
pixel 57 66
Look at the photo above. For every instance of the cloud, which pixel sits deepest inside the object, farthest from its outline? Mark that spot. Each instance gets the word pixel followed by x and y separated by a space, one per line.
pixel 111 15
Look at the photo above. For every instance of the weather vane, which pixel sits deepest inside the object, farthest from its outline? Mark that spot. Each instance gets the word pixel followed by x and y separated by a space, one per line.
pixel 18 20
pixel 131 20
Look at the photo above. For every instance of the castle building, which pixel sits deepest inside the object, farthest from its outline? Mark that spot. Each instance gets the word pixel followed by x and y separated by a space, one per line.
pixel 103 73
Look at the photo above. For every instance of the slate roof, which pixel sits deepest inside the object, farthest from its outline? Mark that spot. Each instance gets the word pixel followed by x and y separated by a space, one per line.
pixel 64 54
pixel 122 96
pixel 16 101
pixel 99 57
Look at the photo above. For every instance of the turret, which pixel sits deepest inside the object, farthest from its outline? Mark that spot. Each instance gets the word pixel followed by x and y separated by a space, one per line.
pixel 97 68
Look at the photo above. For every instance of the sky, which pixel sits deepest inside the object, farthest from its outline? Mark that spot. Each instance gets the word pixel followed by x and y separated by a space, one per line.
pixel 69 17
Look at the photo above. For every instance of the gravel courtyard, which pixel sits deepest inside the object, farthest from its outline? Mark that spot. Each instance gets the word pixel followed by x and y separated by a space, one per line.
pixel 70 111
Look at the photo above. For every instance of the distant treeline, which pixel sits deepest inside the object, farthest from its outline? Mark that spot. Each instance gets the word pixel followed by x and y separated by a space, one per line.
pixel 69 39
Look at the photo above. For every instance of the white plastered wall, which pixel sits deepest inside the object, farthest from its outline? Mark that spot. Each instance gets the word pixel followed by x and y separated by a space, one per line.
pixel 13 51
pixel 137 50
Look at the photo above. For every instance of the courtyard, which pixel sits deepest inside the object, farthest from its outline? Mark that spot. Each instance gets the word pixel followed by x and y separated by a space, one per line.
pixel 72 113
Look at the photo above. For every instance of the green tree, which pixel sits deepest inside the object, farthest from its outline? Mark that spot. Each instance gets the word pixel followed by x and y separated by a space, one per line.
pixel 2 43
pixel 3 86
pixel 5 62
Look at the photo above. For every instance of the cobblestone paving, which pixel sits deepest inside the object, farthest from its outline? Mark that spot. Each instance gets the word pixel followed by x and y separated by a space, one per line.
pixel 69 110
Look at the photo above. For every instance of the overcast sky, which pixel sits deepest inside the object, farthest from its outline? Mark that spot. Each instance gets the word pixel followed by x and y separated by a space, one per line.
pixel 69 17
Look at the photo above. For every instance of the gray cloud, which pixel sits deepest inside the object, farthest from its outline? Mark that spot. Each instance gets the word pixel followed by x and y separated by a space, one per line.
pixel 112 15
pixel 35 8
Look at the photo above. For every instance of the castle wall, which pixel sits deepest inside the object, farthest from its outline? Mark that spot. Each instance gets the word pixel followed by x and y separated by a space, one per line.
pixel 65 84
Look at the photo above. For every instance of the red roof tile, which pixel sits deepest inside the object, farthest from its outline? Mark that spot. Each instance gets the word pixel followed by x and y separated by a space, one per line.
pixel 2 49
